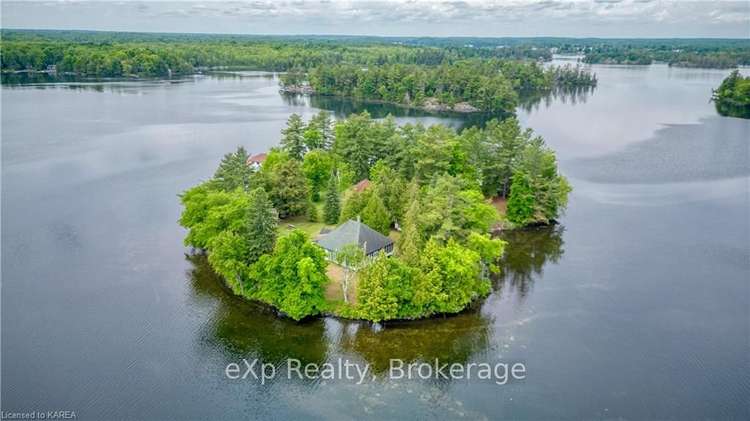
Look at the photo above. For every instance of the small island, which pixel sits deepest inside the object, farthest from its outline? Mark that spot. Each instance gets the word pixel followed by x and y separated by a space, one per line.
pixel 467 86
pixel 732 98
pixel 365 219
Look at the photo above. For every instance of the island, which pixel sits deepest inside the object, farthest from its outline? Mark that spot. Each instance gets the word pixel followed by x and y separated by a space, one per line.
pixel 365 219
pixel 467 86
pixel 732 97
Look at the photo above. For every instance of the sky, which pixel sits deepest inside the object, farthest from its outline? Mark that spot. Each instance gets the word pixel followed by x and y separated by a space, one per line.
pixel 485 18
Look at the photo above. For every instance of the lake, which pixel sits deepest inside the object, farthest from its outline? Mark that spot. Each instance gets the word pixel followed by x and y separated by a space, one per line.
pixel 634 307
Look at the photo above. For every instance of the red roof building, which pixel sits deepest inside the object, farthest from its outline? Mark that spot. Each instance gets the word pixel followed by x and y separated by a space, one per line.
pixel 256 160
pixel 362 186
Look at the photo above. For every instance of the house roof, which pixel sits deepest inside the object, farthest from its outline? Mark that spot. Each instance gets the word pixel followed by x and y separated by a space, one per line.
pixel 256 159
pixel 362 185
pixel 354 232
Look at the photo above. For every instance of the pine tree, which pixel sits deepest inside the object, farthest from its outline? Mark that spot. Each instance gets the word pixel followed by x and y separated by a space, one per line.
pixel 233 171
pixel 293 140
pixel 375 215
pixel 521 200
pixel 312 212
pixel 410 242
pixel 289 192
pixel 332 209
pixel 262 222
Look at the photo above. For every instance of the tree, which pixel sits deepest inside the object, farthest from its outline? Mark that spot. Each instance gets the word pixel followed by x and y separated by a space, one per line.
pixel 391 188
pixel 332 209
pixel 293 139
pixel 293 277
pixel 450 277
pixel 489 250
pixel 312 212
pixel 521 208
pixel 323 126
pixel 289 192
pixel 375 215
pixel 386 290
pixel 410 242
pixel 233 171
pixel 450 209
pixel 208 212
pixel 317 166
pixel 538 192
pixel 350 257
pixel 354 143
pixel 229 258
pixel 500 152
pixel 434 152
pixel 262 222
pixel 354 204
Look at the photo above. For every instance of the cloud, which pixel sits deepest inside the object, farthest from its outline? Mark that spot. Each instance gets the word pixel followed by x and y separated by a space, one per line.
pixel 388 17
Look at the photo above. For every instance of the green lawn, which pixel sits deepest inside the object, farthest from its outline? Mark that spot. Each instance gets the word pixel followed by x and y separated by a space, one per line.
pixel 301 222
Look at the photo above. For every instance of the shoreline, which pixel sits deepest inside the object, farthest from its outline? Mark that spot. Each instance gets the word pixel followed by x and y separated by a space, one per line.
pixel 431 106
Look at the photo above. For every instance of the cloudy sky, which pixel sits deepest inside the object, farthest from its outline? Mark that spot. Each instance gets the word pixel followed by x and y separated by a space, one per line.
pixel 600 18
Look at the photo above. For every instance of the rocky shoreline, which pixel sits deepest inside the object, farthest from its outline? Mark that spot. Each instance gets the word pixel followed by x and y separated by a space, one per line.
pixel 430 104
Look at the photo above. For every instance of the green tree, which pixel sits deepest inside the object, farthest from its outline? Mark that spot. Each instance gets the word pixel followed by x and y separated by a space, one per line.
pixel 262 223
pixel 450 277
pixel 208 212
pixel 229 258
pixel 332 209
pixel 354 204
pixel 317 166
pixel 409 243
pixel 289 192
pixel 542 193
pixel 293 277
pixel 391 188
pixel 312 212
pixel 375 215
pixel 233 171
pixel 354 143
pixel 293 139
pixel 489 250
pixel 386 290
pixel 323 126
pixel 452 210
pixel 521 209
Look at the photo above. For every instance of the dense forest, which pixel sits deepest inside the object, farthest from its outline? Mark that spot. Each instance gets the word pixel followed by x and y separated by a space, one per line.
pixel 732 97
pixel 115 54
pixel 122 55
pixel 706 58
pixel 469 85
pixel 430 187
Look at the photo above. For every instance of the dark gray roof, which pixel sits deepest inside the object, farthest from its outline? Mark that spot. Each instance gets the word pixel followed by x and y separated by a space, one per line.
pixel 354 232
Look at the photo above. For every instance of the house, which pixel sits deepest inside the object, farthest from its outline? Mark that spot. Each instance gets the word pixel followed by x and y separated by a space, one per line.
pixel 362 186
pixel 256 160
pixel 355 232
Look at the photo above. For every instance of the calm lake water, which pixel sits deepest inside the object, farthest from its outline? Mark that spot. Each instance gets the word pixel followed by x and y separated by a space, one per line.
pixel 635 307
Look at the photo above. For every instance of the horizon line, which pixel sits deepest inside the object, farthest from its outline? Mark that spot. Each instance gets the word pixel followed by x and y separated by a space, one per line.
pixel 374 36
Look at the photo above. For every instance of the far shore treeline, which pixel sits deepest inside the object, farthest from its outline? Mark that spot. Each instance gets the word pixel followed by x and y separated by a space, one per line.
pixel 123 54
pixel 432 189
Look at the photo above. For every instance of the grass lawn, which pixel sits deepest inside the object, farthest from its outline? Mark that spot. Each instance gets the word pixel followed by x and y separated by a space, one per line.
pixel 301 222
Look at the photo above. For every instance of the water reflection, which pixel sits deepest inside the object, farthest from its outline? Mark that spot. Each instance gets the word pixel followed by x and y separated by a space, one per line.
pixel 248 330
pixel 455 339
pixel 564 95
pixel 528 251
pixel 45 81
pixel 342 107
